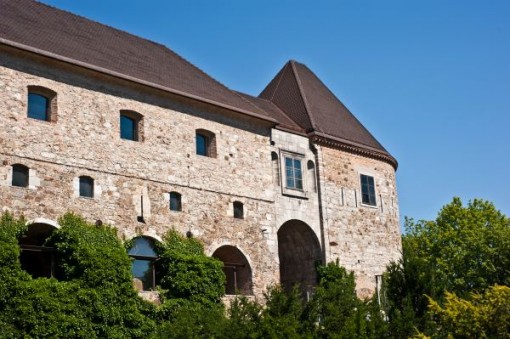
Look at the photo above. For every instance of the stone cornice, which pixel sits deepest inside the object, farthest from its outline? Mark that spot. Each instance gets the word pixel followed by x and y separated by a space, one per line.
pixel 355 149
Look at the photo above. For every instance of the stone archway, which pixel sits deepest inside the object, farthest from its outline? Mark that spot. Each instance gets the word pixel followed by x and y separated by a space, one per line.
pixel 36 258
pixel 299 252
pixel 237 270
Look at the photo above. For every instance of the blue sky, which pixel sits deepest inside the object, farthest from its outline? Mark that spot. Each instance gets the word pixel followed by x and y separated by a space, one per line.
pixel 429 79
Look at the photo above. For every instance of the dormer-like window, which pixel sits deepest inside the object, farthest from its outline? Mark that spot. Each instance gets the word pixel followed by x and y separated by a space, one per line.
pixel 238 210
pixel 42 104
pixel 86 187
pixel 131 125
pixel 205 143
pixel 20 175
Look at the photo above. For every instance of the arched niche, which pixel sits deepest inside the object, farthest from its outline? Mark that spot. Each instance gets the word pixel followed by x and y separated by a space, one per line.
pixel 299 252
pixel 237 270
pixel 36 258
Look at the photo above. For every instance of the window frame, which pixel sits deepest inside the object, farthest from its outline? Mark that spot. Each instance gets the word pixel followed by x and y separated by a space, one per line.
pixel 293 191
pixel 209 140
pixel 369 203
pixel 27 175
pixel 146 258
pixel 51 103
pixel 137 129
pixel 82 179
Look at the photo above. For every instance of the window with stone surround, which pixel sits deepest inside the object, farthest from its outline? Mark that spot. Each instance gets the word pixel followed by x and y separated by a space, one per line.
pixel 367 190
pixel 42 104
pixel 175 202
pixel 131 125
pixel 20 175
pixel 238 210
pixel 143 267
pixel 86 187
pixel 292 177
pixel 205 143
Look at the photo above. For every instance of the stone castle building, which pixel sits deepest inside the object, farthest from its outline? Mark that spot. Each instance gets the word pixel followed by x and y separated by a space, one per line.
pixel 124 131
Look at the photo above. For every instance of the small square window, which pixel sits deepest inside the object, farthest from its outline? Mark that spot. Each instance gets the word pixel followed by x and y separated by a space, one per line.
pixel 20 175
pixel 175 201
pixel 367 190
pixel 294 176
pixel 86 187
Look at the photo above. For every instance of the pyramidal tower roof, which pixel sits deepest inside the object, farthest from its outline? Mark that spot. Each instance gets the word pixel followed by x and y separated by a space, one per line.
pixel 298 92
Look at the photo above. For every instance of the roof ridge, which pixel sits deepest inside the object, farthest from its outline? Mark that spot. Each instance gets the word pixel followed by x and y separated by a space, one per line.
pixel 247 101
pixel 301 93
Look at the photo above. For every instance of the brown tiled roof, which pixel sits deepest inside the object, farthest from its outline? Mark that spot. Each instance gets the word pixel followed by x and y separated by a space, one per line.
pixel 295 99
pixel 27 23
pixel 303 97
pixel 283 119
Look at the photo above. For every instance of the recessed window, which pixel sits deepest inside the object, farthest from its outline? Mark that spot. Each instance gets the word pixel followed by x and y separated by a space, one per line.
pixel 237 270
pixel 143 270
pixel 20 175
pixel 205 143
pixel 86 187
pixel 367 190
pixel 42 103
pixel 175 201
pixel 238 210
pixel 293 173
pixel 130 125
pixel 36 257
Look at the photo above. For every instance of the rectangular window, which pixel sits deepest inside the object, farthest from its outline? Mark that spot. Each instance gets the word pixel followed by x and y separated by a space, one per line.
pixel 38 106
pixel 86 187
pixel 293 173
pixel 19 176
pixel 128 128
pixel 367 190
pixel 202 145
pixel 175 201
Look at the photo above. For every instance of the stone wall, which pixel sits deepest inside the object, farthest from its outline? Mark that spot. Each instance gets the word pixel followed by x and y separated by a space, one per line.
pixel 363 238
pixel 85 140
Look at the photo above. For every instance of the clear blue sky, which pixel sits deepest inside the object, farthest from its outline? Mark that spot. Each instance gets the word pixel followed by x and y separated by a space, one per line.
pixel 430 79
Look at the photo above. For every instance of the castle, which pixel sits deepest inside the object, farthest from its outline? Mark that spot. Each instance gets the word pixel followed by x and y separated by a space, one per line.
pixel 123 131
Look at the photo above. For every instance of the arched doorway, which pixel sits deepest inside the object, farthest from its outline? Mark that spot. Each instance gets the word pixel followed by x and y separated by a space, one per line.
pixel 299 252
pixel 36 258
pixel 237 270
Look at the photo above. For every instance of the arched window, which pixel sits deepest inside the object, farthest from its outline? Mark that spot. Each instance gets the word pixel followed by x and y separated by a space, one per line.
pixel 86 187
pixel 238 210
pixel 311 176
pixel 143 270
pixel 131 125
pixel 42 104
pixel 205 143
pixel 36 258
pixel 237 270
pixel 276 168
pixel 175 202
pixel 20 175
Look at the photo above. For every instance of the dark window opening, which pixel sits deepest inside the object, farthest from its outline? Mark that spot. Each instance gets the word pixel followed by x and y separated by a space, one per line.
pixel 238 210
pixel 36 258
pixel 38 107
pixel 367 190
pixel 20 175
pixel 128 128
pixel 175 201
pixel 237 270
pixel 205 143
pixel 143 267
pixel 294 176
pixel 86 187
